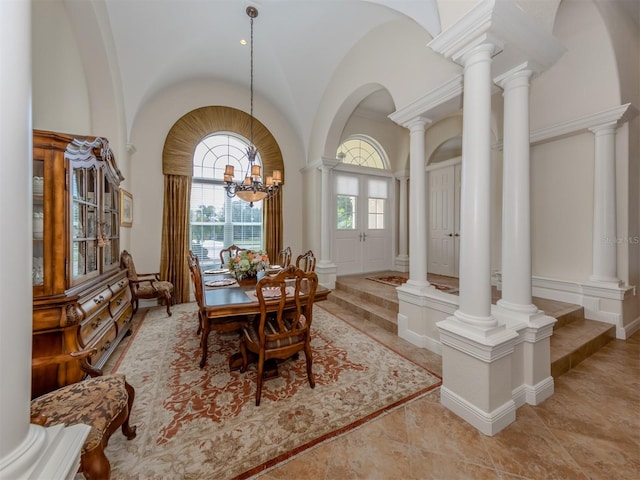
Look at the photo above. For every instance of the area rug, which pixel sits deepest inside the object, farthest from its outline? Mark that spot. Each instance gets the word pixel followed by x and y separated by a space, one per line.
pixel 197 423
pixel 396 281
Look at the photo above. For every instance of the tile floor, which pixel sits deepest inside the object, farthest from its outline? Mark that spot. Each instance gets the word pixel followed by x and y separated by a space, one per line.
pixel 589 429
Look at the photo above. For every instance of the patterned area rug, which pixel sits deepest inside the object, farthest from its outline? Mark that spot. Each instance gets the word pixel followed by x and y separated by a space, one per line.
pixel 203 423
pixel 396 281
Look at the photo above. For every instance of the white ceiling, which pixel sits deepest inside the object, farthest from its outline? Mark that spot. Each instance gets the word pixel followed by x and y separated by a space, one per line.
pixel 297 46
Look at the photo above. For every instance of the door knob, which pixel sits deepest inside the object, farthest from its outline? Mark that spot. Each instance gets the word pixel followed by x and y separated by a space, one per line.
pixel 450 235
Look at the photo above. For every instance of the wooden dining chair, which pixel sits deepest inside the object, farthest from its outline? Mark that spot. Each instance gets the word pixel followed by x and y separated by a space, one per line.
pixel 146 285
pixel 196 280
pixel 286 333
pixel 284 257
pixel 206 324
pixel 228 253
pixel 306 262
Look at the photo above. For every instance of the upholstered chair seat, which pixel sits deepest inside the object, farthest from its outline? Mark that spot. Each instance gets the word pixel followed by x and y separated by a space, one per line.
pixel 104 403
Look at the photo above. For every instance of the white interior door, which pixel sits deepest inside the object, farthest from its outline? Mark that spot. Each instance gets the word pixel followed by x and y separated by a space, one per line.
pixel 444 220
pixel 362 226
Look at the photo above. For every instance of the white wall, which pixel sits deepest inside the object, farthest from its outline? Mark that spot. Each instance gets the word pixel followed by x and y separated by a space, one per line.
pixel 60 97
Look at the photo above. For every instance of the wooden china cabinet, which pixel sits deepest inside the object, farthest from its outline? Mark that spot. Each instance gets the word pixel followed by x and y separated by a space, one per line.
pixel 81 297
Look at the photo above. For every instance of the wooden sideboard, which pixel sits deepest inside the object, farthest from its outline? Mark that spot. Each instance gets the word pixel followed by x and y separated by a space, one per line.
pixel 81 297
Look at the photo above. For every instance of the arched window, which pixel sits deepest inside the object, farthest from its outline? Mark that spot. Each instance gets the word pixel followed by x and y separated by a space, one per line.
pixel 363 151
pixel 218 221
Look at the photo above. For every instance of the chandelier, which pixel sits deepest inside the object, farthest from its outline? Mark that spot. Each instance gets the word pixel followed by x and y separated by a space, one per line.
pixel 252 189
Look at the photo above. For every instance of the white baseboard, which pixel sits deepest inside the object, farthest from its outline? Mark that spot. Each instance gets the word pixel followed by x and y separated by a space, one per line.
pixel 488 423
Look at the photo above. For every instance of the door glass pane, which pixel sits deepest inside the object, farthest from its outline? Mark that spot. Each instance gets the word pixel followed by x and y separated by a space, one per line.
pixel 346 212
pixel 376 213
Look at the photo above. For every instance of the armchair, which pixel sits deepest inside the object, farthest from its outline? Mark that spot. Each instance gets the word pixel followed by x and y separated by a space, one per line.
pixel 102 402
pixel 146 285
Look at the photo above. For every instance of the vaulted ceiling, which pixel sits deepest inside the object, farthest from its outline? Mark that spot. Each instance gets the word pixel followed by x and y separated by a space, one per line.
pixel 298 44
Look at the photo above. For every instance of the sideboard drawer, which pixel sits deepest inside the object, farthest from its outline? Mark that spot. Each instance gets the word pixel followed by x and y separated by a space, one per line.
pixel 95 301
pixel 92 325
pixel 118 302
pixel 103 344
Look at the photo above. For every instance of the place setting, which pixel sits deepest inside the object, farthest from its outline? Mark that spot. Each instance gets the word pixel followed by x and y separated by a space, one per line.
pixel 222 282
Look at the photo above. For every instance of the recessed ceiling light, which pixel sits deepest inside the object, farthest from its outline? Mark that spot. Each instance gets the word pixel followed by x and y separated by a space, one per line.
pixel 243 42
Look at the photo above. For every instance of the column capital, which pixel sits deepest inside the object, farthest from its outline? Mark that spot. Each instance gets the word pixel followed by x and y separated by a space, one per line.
pixel 328 163
pixel 608 128
pixel 516 77
pixel 402 175
pixel 482 52
pixel 417 124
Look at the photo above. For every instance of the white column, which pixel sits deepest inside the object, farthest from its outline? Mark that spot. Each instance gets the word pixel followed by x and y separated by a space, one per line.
pixel 15 211
pixel 417 205
pixel 402 260
pixel 325 268
pixel 604 206
pixel 475 205
pixel 26 451
pixel 516 206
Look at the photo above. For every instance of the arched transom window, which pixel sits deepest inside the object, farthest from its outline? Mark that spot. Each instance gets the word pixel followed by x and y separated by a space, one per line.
pixel 362 151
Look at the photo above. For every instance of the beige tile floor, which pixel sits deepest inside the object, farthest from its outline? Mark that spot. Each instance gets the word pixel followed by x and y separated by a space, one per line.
pixel 589 429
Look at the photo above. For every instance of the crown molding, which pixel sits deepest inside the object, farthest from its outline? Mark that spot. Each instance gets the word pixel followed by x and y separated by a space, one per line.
pixel 580 125
pixel 438 103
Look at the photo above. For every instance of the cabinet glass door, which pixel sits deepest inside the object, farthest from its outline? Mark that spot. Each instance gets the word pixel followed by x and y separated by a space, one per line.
pixel 84 223
pixel 38 223
pixel 110 234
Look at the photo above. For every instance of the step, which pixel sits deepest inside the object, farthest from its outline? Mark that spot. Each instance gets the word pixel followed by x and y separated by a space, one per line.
pixel 389 302
pixel 379 315
pixel 573 342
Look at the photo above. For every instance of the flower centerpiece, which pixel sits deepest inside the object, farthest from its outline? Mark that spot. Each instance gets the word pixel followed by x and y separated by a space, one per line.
pixel 247 263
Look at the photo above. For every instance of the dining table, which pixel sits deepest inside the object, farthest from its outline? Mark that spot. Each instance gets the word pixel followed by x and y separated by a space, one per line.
pixel 225 297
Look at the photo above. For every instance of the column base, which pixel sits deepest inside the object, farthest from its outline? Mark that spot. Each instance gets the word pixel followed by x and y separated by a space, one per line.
pixel 610 282
pixel 52 452
pixel 327 273
pixel 476 371
pixel 488 423
pixel 531 373
pixel 415 287
pixel 401 263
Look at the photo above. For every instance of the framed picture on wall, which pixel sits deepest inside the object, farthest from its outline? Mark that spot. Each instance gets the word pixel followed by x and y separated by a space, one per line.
pixel 126 208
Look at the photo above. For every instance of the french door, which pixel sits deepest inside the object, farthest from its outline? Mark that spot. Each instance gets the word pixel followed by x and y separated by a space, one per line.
pixel 444 221
pixel 362 223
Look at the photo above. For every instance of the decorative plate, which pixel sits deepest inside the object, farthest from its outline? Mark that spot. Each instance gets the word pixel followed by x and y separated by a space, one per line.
pixel 216 271
pixel 225 282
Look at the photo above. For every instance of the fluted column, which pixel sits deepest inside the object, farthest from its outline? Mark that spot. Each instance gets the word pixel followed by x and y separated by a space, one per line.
pixel 475 207
pixel 516 199
pixel 402 260
pixel 604 206
pixel 418 242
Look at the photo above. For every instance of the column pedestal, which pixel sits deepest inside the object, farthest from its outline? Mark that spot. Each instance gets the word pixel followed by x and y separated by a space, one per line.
pixel 475 364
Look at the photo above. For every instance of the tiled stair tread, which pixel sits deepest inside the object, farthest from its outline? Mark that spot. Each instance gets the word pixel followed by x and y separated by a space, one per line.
pixel 570 314
pixel 378 299
pixel 580 335
pixel 381 316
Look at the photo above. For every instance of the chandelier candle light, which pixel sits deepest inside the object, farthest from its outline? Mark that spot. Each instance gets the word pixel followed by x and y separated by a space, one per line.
pixel 252 189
